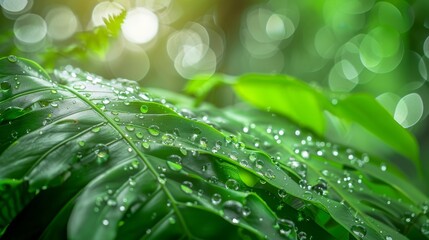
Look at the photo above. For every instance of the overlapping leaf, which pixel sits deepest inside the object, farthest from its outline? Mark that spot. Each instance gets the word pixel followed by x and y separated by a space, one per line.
pixel 87 158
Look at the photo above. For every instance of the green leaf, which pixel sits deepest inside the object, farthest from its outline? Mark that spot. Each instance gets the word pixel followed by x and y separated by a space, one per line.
pixel 366 111
pixel 287 96
pixel 305 105
pixel 97 159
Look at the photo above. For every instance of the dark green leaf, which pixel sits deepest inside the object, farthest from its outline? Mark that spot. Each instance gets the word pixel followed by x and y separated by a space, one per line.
pixel 98 159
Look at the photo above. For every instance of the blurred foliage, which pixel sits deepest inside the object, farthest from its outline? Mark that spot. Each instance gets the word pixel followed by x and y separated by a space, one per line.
pixel 377 47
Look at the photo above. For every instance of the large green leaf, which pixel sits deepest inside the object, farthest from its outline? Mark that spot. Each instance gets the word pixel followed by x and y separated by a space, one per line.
pixel 306 105
pixel 87 158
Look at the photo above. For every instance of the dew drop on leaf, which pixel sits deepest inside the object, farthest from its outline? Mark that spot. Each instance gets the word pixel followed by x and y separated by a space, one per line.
pixel 285 227
pixel 183 151
pixel 231 184
pixel 102 153
pixel 145 145
pixel 105 222
pixel 12 58
pixel 167 139
pixel 359 231
pixel 233 211
pixel 246 211
pixel 259 164
pixel 203 143
pixel 81 143
pixel 54 104
pixel 130 127
pixel 139 135
pixel 185 189
pixel 174 166
pixel 305 154
pixel 216 199
pixel 96 129
pixel 282 193
pixel 5 86
pixel 144 108
pixel 153 130
pixel 252 157
pixel 79 86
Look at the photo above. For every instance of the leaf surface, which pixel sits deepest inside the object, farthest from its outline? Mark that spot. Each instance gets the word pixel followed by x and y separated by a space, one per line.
pixel 86 158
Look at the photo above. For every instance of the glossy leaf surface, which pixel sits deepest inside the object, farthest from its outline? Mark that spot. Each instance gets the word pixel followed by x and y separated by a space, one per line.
pixel 86 158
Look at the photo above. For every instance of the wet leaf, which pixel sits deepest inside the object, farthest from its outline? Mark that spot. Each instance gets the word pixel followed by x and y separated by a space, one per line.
pixel 88 161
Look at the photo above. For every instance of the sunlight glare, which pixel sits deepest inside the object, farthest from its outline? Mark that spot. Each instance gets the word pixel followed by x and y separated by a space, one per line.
pixel 140 25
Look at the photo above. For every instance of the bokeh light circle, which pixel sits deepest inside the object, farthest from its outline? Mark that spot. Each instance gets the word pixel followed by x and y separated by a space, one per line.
pixel 30 28
pixel 140 25
pixel 409 110
pixel 14 6
pixel 62 23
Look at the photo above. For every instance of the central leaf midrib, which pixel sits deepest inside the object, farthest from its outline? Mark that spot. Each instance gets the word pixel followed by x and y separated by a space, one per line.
pixel 112 123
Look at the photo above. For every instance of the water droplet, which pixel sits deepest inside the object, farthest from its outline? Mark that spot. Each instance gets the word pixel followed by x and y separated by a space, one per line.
pixel 233 211
pixel 5 86
pixel 153 130
pixel 54 91
pixel 321 187
pixel 246 211
pixel 139 135
pixel 130 127
pixel 252 156
pixel 111 202
pixel 388 238
pixel 245 129
pixel 203 143
pixel 168 139
pixel 282 193
pixel 233 156
pixel 162 179
pixel 172 220
pixel 106 101
pixel 408 217
pixel 102 153
pixel 105 222
pixel 12 58
pixel 144 109
pixel 305 154
pixel 185 189
pixel 383 167
pixel 79 86
pixel 81 143
pixel 54 104
pixel 259 164
pixel 359 231
pixel 96 129
pixel 174 166
pixel 270 174
pixel 145 145
pixel 231 184
pixel 216 198
pixel 285 227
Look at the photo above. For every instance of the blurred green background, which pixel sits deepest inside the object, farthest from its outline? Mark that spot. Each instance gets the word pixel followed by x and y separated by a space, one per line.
pixel 378 47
